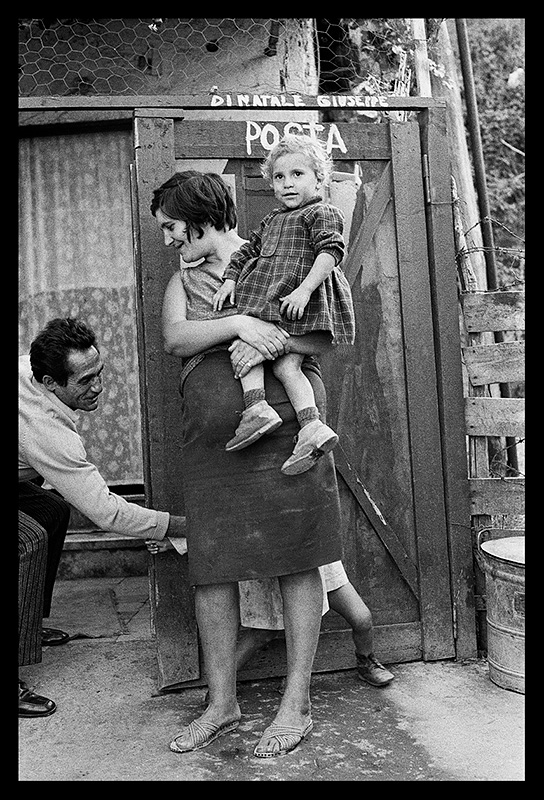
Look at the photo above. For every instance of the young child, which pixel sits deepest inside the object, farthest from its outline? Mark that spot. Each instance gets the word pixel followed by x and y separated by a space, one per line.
pixel 289 273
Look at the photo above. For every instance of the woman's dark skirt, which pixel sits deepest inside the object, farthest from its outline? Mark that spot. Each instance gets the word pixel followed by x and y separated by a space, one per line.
pixel 245 519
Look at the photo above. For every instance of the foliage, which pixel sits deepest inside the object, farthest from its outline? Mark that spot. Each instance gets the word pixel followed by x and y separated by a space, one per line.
pixel 498 57
pixel 374 51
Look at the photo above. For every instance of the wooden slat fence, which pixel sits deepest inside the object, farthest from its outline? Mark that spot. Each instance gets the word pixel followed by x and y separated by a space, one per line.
pixel 495 497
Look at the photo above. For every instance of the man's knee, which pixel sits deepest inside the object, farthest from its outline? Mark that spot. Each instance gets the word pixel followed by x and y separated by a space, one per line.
pixel 61 507
pixel 46 506
pixel 32 537
pixel 54 515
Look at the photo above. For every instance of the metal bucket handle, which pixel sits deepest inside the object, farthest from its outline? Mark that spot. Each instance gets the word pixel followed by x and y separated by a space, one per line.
pixel 479 541
pixel 480 535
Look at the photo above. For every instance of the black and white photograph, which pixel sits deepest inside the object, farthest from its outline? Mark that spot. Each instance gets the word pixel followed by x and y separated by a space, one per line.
pixel 271 399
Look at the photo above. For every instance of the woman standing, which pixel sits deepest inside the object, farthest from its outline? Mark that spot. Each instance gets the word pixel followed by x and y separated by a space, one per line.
pixel 245 519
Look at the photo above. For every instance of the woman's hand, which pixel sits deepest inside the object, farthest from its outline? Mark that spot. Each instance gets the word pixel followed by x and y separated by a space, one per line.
pixel 243 357
pixel 266 337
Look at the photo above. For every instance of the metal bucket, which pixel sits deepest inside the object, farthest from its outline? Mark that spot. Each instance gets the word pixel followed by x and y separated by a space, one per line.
pixel 503 561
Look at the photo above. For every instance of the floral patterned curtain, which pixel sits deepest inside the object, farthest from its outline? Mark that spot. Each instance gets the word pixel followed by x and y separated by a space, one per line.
pixel 76 259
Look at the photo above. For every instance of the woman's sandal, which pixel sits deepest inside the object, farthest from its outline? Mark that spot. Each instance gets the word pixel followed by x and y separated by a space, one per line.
pixel 287 737
pixel 202 734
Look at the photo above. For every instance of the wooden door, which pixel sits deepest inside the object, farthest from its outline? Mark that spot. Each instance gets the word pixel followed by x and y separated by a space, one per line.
pixel 384 393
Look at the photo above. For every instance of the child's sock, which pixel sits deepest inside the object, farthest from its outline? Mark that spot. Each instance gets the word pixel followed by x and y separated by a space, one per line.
pixel 253 396
pixel 306 415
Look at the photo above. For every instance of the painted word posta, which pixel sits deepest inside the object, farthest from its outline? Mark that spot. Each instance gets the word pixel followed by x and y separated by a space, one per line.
pixel 269 134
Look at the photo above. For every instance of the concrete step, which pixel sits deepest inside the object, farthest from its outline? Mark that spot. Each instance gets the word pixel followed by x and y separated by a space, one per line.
pixel 98 554
pixel 91 553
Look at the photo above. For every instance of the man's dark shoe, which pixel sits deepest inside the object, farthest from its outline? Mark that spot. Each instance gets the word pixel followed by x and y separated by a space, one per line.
pixel 53 637
pixel 370 670
pixel 34 705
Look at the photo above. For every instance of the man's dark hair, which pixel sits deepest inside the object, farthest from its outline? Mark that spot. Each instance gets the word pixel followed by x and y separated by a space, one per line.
pixel 196 198
pixel 49 350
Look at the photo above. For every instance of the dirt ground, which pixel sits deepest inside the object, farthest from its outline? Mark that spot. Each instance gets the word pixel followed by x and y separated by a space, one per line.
pixel 437 721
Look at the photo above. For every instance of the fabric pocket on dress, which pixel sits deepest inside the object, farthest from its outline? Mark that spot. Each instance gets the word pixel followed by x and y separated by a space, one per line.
pixel 271 237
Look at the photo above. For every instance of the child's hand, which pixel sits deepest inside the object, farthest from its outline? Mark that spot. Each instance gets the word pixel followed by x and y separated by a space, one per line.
pixel 293 304
pixel 226 292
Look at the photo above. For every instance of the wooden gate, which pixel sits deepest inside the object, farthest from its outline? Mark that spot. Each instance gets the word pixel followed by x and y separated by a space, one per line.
pixel 395 398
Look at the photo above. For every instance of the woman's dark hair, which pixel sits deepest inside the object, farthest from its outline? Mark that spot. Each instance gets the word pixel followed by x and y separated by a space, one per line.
pixel 49 350
pixel 196 198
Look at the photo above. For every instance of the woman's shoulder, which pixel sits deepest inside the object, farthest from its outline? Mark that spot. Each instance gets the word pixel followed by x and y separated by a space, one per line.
pixel 175 283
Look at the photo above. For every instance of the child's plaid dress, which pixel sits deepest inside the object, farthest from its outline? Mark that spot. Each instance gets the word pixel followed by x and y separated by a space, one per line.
pixel 278 257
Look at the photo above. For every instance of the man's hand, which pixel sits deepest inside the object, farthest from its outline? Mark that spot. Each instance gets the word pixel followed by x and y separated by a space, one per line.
pixel 175 543
pixel 155 547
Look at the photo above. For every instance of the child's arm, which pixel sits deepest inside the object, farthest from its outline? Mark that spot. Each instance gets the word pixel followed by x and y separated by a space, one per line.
pixel 238 260
pixel 183 337
pixel 226 292
pixel 293 304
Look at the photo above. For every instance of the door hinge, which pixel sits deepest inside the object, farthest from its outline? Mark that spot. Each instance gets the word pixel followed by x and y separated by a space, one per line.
pixel 480 602
pixel 426 179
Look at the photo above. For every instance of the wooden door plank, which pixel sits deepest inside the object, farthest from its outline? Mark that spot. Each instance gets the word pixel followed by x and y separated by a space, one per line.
pixel 384 531
pixel 251 140
pixel 173 616
pixel 492 416
pixel 444 298
pixel 497 495
pixel 173 619
pixel 493 311
pixel 381 197
pixel 233 101
pixel 153 150
pixel 495 363
pixel 422 399
pixel 398 643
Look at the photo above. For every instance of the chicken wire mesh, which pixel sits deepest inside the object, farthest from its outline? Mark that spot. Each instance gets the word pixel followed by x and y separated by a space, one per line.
pixel 164 56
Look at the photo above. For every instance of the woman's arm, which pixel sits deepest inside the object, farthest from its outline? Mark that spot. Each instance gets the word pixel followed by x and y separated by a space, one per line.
pixel 243 356
pixel 183 337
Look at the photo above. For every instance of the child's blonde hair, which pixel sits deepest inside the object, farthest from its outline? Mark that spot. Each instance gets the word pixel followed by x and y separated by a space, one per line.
pixel 312 148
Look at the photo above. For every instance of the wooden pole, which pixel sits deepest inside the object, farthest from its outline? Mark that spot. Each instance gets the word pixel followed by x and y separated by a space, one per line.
pixel 421 58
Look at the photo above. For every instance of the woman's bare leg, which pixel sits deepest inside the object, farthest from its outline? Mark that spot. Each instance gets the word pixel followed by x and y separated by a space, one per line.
pixel 217 614
pixel 302 608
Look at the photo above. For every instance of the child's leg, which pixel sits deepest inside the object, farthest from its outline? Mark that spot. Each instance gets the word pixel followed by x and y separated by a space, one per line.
pixel 253 386
pixel 288 370
pixel 315 438
pixel 258 417
pixel 347 602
